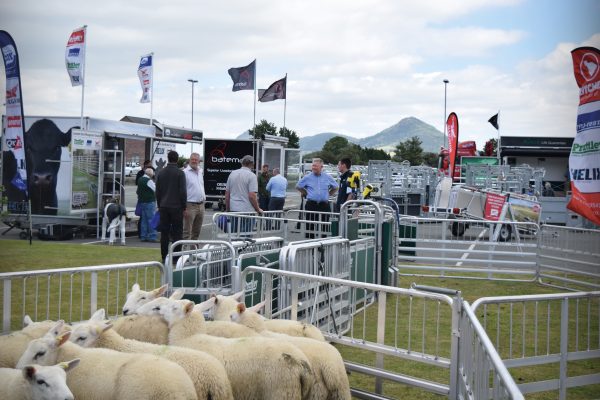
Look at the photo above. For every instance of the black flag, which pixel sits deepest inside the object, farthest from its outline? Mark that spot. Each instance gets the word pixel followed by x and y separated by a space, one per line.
pixel 275 92
pixel 494 121
pixel 243 77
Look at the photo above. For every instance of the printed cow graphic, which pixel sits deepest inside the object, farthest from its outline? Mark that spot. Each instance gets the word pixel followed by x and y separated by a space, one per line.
pixel 43 149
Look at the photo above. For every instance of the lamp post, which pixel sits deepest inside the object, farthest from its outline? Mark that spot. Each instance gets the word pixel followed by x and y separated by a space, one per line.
pixel 445 116
pixel 192 81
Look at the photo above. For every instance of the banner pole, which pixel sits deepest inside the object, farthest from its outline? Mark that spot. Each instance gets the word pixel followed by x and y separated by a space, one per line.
pixel 152 88
pixel 285 100
pixel 254 124
pixel 83 73
pixel 498 144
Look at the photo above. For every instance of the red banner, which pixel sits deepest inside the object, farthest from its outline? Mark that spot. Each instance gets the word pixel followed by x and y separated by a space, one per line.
pixel 584 160
pixel 452 129
pixel 493 206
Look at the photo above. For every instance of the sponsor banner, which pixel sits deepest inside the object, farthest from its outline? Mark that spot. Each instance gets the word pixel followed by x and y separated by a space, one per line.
pixel 220 158
pixel 523 210
pixel 584 160
pixel 276 91
pixel 145 75
pixel 243 77
pixel 159 154
pixel 452 129
pixel 75 56
pixel 86 147
pixel 493 206
pixel 14 177
pixel 183 135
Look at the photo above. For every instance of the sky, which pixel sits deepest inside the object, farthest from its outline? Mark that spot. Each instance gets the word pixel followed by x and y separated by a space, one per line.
pixel 353 67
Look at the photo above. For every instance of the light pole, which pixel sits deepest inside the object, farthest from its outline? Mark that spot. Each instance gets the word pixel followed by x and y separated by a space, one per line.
pixel 192 81
pixel 445 92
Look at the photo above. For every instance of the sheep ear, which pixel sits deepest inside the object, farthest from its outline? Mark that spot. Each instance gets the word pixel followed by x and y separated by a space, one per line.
pixel 99 315
pixel 69 365
pixel 241 307
pixel 188 308
pixel 62 338
pixel 29 372
pixel 160 291
pixel 56 329
pixel 135 287
pixel 257 307
pixel 177 294
pixel 238 296
pixel 205 305
pixel 27 321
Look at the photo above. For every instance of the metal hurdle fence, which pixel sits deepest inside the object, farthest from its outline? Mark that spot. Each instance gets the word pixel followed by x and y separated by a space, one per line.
pixel 72 294
pixel 547 329
pixel 403 333
pixel 433 247
pixel 569 257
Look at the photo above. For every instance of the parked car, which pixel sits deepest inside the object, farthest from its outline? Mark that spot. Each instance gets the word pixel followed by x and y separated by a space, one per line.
pixel 132 170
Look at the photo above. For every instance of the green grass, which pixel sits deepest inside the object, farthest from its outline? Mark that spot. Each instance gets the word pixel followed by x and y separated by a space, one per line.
pixel 20 256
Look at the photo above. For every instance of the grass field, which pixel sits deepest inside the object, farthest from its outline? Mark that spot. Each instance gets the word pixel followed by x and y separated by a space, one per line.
pixel 20 256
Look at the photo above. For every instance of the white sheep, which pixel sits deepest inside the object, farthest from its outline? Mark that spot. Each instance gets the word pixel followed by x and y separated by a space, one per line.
pixel 223 306
pixel 207 373
pixel 109 374
pixel 257 367
pixel 13 345
pixel 151 329
pixel 36 382
pixel 138 297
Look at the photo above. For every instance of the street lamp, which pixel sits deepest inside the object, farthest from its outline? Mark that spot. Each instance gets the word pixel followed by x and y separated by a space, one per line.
pixel 445 92
pixel 192 81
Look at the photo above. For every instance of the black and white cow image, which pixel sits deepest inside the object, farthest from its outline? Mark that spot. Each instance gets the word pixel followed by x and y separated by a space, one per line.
pixel 114 217
pixel 43 149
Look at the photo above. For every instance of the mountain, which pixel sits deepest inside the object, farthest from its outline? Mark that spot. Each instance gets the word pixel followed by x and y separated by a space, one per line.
pixel 387 139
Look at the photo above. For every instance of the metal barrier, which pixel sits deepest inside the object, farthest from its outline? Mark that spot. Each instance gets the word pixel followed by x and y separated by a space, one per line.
pixel 569 257
pixel 72 294
pixel 397 330
pixel 546 329
pixel 467 249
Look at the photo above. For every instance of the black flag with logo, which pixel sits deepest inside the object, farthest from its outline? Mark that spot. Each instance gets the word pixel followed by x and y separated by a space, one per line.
pixel 243 77
pixel 274 92
pixel 494 121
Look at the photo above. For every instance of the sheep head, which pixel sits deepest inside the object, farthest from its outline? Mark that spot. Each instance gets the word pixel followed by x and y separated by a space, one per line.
pixel 44 351
pixel 49 382
pixel 86 334
pixel 137 297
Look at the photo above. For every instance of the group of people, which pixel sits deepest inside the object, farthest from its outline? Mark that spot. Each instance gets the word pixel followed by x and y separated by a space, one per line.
pixel 180 197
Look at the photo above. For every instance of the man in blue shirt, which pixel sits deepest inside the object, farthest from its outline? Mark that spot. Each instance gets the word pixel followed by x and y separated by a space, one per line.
pixel 316 187
pixel 277 187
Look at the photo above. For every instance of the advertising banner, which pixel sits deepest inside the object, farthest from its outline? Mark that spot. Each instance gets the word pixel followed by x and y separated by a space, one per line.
pixel 220 158
pixel 145 75
pixel 493 206
pixel 159 154
pixel 75 56
pixel 584 161
pixel 86 147
pixel 14 171
pixel 452 129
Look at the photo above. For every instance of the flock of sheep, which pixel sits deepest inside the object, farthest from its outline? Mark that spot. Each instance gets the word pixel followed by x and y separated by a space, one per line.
pixel 163 348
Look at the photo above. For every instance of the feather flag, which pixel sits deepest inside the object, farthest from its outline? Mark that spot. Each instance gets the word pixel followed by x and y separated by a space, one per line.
pixel 75 56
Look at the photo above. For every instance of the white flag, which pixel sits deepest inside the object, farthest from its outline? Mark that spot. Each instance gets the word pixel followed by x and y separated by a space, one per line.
pixel 145 75
pixel 75 56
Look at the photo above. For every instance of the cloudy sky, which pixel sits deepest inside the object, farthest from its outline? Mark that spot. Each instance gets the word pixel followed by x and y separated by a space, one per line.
pixel 354 67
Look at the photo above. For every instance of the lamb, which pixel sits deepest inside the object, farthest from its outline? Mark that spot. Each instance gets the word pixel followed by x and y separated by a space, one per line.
pixel 138 297
pixel 14 344
pixel 331 381
pixel 151 329
pixel 223 306
pixel 35 382
pixel 258 368
pixel 109 374
pixel 207 373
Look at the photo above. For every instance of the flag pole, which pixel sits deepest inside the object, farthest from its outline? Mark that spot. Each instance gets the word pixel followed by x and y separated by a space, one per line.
pixel 285 100
pixel 152 88
pixel 83 73
pixel 254 125
pixel 498 142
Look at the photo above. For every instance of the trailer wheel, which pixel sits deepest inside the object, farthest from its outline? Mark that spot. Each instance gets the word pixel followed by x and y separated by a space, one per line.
pixel 458 229
pixel 23 235
pixel 505 233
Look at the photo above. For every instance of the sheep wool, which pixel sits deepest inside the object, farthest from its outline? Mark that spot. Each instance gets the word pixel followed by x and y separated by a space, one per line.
pixel 14 344
pixel 151 329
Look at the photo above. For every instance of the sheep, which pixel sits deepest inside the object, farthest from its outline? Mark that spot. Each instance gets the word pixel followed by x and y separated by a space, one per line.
pixel 36 382
pixel 207 373
pixel 138 297
pixel 109 374
pixel 331 381
pixel 223 306
pixel 14 344
pixel 258 368
pixel 151 329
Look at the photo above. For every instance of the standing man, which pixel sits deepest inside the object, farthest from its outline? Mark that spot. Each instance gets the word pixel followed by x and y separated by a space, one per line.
pixel 277 188
pixel 194 211
pixel 171 195
pixel 316 187
pixel 147 200
pixel 141 172
pixel 240 192
pixel 263 193
pixel 346 192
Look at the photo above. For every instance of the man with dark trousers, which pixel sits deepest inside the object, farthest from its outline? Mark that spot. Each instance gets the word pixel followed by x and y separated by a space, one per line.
pixel 316 187
pixel 171 197
pixel 346 191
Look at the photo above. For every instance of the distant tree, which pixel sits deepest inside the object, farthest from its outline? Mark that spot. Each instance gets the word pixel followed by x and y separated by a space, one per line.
pixel 430 159
pixel 263 128
pixel 293 139
pixel 375 154
pixel 490 147
pixel 335 145
pixel 409 150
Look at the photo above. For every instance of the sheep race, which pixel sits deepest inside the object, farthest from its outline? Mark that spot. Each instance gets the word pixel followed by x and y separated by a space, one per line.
pixel 165 348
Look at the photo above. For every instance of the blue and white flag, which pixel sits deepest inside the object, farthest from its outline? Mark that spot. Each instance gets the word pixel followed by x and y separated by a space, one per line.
pixel 75 56
pixel 14 168
pixel 145 75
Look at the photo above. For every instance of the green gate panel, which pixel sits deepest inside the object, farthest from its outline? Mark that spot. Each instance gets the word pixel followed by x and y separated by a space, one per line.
pixel 256 285
pixel 387 248
pixel 408 232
